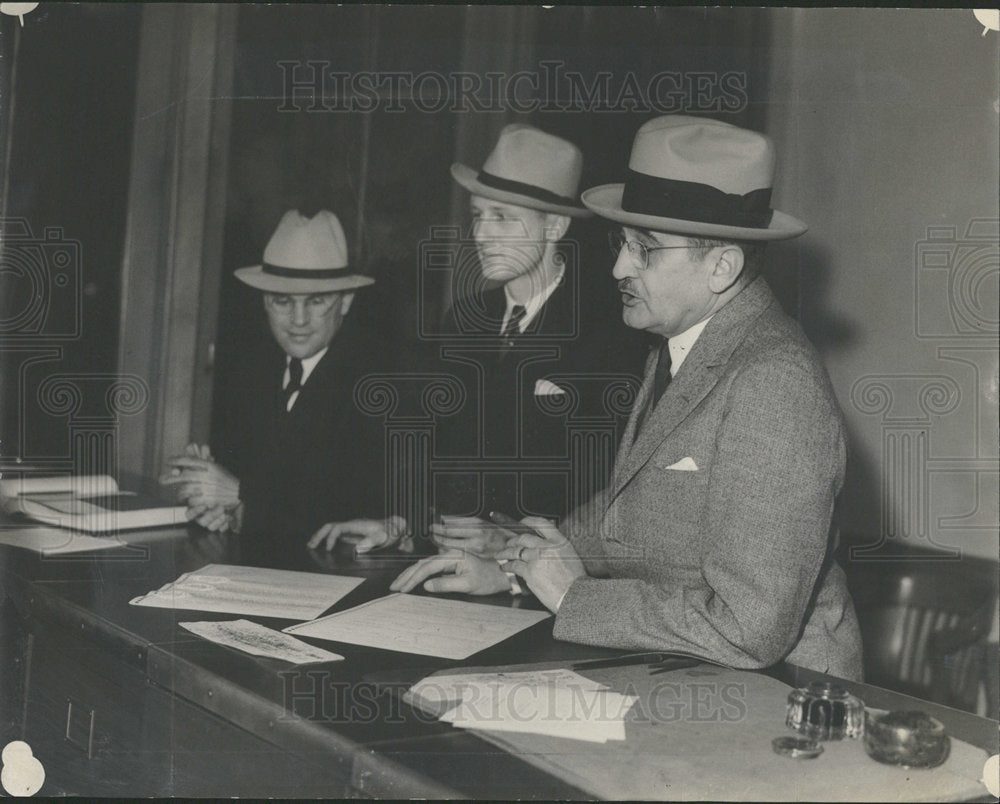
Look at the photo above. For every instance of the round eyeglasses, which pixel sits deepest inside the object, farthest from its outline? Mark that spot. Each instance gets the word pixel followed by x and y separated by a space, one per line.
pixel 636 250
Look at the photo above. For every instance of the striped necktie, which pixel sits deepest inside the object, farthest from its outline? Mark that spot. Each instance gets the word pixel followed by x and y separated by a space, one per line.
pixel 517 313
pixel 294 381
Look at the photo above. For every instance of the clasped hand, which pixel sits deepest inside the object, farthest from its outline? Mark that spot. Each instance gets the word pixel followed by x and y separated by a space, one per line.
pixel 211 493
pixel 545 559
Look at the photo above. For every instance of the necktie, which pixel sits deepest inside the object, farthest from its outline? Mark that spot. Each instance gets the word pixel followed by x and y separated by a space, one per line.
pixel 516 314
pixel 294 380
pixel 661 379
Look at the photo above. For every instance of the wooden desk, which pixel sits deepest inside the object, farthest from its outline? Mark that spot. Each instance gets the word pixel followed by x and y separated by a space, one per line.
pixel 119 700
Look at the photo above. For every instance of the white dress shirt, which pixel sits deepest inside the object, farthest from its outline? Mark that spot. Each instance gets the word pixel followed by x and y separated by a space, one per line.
pixel 680 345
pixel 533 305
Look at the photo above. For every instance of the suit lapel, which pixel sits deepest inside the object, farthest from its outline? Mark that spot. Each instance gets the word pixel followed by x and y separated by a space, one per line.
pixel 701 371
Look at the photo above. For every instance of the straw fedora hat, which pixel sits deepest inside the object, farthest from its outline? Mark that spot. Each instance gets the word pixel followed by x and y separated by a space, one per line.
pixel 531 169
pixel 304 255
pixel 697 176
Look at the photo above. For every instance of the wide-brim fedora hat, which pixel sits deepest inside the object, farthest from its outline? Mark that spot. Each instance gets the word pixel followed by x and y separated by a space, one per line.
pixel 304 255
pixel 529 168
pixel 697 176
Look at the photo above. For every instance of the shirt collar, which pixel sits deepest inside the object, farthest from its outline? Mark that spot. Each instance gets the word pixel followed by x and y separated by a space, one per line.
pixel 680 345
pixel 308 364
pixel 534 303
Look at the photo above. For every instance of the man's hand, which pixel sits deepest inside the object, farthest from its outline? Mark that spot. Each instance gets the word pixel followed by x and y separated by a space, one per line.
pixel 217 518
pixel 200 480
pixel 547 562
pixel 211 493
pixel 462 573
pixel 470 535
pixel 372 532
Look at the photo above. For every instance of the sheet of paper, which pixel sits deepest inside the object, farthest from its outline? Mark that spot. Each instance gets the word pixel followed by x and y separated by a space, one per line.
pixel 285 594
pixel 255 639
pixel 55 541
pixel 558 703
pixel 431 626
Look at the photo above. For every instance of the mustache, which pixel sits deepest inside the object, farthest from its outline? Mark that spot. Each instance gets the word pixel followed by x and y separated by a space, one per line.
pixel 625 286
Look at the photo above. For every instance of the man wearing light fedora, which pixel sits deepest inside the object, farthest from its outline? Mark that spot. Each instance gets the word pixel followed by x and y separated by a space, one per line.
pixel 522 339
pixel 713 537
pixel 288 458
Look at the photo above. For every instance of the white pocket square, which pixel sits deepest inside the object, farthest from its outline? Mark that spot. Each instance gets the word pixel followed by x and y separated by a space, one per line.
pixel 546 388
pixel 684 465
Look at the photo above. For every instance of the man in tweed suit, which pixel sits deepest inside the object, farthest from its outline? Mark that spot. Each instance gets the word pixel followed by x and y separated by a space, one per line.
pixel 712 538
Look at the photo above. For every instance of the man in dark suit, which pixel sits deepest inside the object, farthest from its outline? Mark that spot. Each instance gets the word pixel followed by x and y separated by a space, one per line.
pixel 542 374
pixel 286 462
pixel 713 537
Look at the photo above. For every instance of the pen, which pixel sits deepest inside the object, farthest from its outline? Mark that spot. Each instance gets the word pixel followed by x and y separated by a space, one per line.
pixel 621 661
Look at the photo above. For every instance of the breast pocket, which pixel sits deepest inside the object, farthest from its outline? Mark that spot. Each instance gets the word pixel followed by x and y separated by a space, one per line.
pixel 664 510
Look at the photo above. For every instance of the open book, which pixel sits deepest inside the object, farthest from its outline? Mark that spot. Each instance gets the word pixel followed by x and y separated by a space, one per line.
pixel 92 503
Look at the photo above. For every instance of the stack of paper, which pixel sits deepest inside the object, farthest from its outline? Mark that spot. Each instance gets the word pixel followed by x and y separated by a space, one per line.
pixel 557 703
pixel 92 503
pixel 48 541
pixel 249 590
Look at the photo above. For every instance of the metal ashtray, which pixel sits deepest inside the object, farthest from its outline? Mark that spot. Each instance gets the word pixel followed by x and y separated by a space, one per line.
pixel 911 738
pixel 796 747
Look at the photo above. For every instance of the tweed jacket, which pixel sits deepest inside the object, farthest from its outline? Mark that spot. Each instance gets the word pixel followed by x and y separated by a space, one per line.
pixel 526 397
pixel 713 537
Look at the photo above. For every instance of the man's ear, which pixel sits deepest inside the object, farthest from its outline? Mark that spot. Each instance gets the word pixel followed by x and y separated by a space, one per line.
pixel 726 269
pixel 555 226
pixel 345 302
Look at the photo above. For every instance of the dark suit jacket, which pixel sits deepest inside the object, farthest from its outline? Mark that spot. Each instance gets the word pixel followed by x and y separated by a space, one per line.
pixel 321 461
pixel 518 445
pixel 713 537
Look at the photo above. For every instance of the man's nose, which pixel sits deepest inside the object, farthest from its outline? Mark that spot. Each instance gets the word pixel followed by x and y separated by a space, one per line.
pixel 624 266
pixel 300 313
pixel 482 231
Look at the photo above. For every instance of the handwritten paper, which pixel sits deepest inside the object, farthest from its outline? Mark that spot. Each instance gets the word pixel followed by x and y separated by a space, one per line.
pixel 253 591
pixel 557 703
pixel 257 640
pixel 431 626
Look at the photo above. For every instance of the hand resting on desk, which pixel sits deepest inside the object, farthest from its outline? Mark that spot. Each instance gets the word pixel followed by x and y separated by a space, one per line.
pixel 461 572
pixel 373 533
pixel 211 493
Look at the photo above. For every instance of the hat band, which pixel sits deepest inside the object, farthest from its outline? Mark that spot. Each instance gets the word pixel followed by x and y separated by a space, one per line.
pixel 690 201
pixel 521 188
pixel 304 273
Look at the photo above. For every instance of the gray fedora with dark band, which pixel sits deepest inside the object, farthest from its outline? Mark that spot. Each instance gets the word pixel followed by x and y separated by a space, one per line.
pixel 304 255
pixel 697 176
pixel 531 169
